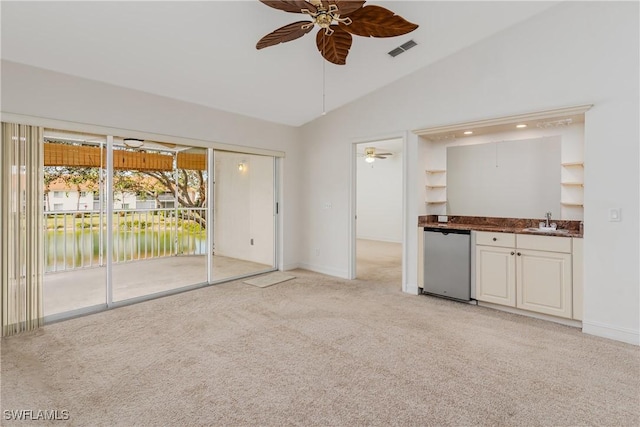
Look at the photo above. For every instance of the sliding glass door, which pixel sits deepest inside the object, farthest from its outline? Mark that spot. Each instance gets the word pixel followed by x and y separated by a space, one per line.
pixel 244 214
pixel 159 218
pixel 128 219
pixel 74 223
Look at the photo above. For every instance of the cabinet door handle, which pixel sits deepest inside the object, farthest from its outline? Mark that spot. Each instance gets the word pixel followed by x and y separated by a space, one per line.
pixel 495 240
pixel 519 254
pixel 512 253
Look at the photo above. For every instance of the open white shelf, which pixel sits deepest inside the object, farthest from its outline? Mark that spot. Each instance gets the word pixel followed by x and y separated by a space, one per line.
pixel 436 191
pixel 572 190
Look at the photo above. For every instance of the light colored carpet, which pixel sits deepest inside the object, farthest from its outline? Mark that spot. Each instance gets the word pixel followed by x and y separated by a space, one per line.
pixel 318 351
pixel 269 279
pixel 381 261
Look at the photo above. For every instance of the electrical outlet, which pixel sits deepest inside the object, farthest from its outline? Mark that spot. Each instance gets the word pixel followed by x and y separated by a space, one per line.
pixel 615 215
pixel 328 205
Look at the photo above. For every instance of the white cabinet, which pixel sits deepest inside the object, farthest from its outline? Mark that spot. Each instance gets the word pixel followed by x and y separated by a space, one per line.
pixel 543 282
pixel 495 275
pixel 529 272
pixel 578 277
pixel 421 257
pixel 495 268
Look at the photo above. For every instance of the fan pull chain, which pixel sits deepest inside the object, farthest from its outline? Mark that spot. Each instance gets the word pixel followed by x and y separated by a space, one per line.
pixel 324 41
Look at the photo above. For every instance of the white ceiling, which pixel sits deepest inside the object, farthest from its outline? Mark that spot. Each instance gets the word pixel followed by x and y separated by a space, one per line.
pixel 204 52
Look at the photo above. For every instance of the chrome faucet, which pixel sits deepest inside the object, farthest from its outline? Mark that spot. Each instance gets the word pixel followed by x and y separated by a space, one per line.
pixel 548 216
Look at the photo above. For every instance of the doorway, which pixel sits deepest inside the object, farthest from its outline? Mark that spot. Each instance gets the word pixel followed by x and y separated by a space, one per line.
pixel 379 211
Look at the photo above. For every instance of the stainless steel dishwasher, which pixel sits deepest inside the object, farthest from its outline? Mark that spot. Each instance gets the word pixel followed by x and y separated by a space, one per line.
pixel 447 263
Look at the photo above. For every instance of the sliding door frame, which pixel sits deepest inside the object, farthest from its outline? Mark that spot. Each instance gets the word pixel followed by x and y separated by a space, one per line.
pixel 211 164
pixel 108 198
pixel 106 202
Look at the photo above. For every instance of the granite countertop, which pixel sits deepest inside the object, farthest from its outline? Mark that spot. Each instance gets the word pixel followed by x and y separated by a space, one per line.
pixel 501 225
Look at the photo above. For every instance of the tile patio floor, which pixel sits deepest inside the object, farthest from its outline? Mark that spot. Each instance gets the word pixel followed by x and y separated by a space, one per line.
pixel 75 289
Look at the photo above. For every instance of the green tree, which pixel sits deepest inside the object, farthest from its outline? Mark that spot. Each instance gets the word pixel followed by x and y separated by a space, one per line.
pixel 89 178
pixel 189 185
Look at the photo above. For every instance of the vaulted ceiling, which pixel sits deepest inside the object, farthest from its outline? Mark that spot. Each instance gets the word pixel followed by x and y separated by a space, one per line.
pixel 204 52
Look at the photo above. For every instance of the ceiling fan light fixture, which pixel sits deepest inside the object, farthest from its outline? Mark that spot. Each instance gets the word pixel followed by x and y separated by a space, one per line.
pixel 133 142
pixel 369 159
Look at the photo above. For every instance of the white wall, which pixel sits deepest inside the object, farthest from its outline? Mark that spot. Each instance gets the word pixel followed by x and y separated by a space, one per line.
pixel 49 95
pixel 69 200
pixel 379 199
pixel 574 54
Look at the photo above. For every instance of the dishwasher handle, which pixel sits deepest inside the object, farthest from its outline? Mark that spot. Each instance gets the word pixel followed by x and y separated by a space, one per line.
pixel 446 231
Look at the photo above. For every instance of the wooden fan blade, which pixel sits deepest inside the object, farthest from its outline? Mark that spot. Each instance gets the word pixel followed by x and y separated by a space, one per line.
pixel 376 21
pixel 293 6
pixel 334 48
pixel 284 34
pixel 345 7
pixel 378 156
pixel 384 154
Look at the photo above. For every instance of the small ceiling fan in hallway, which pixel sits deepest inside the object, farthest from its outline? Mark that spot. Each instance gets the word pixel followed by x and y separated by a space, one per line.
pixel 370 155
pixel 338 21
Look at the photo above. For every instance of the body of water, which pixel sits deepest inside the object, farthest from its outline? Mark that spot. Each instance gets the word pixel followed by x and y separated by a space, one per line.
pixel 65 250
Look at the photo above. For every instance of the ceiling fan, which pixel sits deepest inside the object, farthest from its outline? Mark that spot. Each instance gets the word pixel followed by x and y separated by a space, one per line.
pixel 138 143
pixel 370 155
pixel 338 21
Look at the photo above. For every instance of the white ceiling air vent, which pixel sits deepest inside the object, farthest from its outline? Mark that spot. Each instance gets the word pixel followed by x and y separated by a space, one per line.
pixel 402 48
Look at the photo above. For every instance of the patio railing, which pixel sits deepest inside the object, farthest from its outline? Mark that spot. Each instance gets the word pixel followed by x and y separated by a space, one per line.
pixel 77 239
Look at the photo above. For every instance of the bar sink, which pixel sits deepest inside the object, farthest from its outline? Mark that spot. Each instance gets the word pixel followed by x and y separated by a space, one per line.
pixel 546 230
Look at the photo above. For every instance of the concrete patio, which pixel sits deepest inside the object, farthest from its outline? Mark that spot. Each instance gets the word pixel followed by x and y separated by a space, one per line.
pixel 76 289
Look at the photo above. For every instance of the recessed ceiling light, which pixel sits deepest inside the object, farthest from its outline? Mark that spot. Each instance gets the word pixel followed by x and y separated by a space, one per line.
pixel 521 126
pixel 468 132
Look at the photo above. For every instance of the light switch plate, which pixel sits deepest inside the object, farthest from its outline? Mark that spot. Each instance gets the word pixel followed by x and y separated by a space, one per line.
pixel 614 215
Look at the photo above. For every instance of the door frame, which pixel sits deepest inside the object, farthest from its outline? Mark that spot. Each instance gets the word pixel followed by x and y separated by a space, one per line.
pixel 352 211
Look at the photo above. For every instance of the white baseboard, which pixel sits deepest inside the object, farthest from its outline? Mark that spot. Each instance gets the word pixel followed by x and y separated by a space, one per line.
pixel 541 316
pixel 631 336
pixel 288 267
pixel 410 288
pixel 379 239
pixel 343 274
